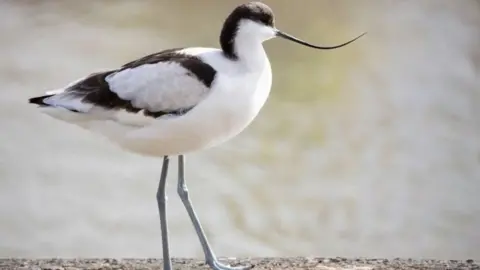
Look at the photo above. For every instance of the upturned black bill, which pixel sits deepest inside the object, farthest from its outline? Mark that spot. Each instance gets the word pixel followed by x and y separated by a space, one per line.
pixel 294 39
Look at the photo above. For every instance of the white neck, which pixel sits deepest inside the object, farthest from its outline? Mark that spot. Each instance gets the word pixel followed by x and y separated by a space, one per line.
pixel 247 43
pixel 250 52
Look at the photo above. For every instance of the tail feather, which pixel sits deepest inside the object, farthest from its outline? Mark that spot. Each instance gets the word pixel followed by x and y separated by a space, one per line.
pixel 39 100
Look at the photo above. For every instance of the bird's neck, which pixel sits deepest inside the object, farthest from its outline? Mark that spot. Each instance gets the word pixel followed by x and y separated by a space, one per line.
pixel 250 52
pixel 240 43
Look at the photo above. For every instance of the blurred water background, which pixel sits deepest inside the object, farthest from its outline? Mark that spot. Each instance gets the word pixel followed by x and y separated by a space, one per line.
pixel 369 150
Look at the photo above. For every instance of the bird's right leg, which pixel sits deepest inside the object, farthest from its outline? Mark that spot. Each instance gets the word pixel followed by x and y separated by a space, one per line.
pixel 210 257
pixel 162 211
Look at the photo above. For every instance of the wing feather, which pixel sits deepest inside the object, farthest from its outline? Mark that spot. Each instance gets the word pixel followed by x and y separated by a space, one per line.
pixel 168 82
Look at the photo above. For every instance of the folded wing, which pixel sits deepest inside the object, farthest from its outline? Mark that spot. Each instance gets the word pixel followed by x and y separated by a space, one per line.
pixel 168 82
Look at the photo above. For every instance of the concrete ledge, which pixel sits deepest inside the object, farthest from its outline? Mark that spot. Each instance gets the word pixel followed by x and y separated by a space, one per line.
pixel 258 263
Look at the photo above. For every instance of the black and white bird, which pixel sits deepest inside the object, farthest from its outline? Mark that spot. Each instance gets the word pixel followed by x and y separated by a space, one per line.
pixel 179 100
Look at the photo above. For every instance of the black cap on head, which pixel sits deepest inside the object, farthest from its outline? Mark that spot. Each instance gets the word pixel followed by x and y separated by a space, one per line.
pixel 255 11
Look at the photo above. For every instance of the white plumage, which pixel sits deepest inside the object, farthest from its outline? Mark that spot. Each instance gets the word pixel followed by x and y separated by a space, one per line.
pixel 160 86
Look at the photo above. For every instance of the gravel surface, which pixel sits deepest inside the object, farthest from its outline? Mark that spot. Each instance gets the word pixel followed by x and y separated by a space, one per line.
pixel 258 263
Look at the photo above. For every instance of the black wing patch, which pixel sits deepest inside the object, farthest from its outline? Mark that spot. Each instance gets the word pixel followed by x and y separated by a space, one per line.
pixel 39 100
pixel 195 66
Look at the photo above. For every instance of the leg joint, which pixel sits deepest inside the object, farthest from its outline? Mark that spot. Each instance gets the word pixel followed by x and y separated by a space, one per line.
pixel 161 198
pixel 182 191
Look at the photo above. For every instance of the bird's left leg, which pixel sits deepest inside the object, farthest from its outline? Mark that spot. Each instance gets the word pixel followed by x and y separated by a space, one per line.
pixel 162 211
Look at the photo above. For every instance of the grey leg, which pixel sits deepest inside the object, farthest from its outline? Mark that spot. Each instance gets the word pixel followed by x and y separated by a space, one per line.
pixel 162 211
pixel 182 189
